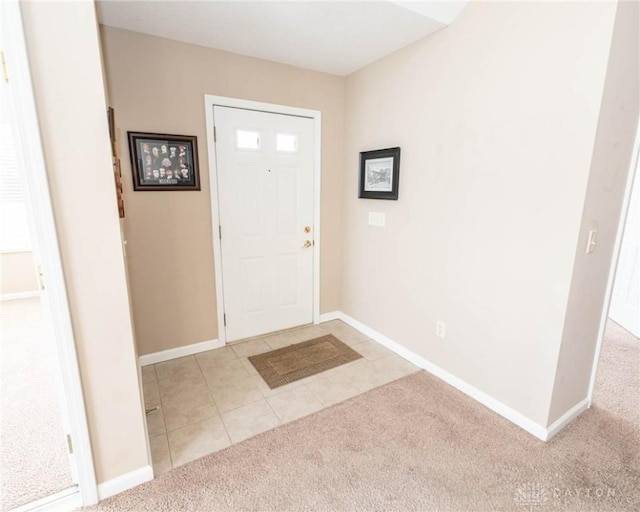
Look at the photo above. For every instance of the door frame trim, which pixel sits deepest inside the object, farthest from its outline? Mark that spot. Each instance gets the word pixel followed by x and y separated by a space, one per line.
pixel 46 246
pixel 211 101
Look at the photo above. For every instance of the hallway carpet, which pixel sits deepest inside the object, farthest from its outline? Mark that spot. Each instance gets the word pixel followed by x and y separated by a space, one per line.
pixel 417 444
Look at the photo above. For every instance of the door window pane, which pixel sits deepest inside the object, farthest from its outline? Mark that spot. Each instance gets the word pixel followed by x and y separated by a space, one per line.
pixel 287 142
pixel 247 139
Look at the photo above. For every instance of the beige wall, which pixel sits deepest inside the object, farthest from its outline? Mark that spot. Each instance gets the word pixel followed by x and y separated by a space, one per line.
pixel 612 155
pixel 496 116
pixel 62 42
pixel 17 273
pixel 158 85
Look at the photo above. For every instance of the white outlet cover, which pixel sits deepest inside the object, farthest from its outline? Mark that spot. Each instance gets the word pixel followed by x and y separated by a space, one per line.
pixel 377 219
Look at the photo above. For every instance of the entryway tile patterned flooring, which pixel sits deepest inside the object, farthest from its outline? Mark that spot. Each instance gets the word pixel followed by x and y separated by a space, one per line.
pixel 214 399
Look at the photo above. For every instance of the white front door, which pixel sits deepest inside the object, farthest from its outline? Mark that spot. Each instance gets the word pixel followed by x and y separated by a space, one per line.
pixel 625 300
pixel 265 200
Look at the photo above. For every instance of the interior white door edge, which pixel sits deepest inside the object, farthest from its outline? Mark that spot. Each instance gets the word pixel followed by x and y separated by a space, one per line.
pixel 315 119
pixel 635 162
pixel 625 298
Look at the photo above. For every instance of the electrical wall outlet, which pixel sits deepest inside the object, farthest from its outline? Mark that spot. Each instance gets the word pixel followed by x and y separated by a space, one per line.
pixel 441 329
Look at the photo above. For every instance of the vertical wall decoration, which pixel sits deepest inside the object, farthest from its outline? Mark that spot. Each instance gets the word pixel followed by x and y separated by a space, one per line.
pixel 117 171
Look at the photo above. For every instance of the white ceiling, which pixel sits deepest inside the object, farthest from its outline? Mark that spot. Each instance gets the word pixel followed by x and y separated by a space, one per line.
pixel 334 37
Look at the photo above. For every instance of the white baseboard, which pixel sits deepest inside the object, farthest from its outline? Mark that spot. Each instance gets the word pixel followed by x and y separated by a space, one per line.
pixel 537 430
pixel 21 295
pixel 333 315
pixel 174 353
pixel 567 418
pixel 64 501
pixel 124 482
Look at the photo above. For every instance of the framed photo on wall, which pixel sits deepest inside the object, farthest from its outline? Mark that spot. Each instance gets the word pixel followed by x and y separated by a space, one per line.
pixel 379 174
pixel 164 162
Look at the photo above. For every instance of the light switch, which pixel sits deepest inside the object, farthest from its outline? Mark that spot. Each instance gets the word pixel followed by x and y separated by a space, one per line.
pixel 377 219
pixel 591 242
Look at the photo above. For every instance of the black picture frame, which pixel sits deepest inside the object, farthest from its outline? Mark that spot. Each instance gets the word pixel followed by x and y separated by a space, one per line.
pixel 157 158
pixel 379 174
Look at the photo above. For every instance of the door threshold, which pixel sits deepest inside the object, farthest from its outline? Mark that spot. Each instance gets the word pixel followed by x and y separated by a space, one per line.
pixel 257 336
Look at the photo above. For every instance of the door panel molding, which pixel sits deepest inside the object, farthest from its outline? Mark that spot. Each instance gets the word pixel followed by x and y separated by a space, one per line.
pixel 210 101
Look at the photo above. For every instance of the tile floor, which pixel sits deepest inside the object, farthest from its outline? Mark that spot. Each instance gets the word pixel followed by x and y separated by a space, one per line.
pixel 214 399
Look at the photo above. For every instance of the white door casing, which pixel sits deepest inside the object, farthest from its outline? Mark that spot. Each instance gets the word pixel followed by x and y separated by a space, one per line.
pixel 265 191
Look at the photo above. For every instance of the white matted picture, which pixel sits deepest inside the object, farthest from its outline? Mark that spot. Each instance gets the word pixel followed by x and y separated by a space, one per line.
pixel 379 174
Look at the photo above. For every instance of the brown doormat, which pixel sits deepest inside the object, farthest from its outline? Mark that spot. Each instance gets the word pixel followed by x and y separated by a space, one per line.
pixel 288 364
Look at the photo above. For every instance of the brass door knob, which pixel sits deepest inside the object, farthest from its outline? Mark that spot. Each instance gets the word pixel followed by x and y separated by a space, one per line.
pixel 307 243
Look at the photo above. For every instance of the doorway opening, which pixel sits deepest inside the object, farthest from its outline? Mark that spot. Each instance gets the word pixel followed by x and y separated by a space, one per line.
pixel 46 458
pixel 618 348
pixel 34 462
pixel 625 295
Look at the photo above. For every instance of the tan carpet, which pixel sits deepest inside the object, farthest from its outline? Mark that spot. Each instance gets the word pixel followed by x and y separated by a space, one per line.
pixel 417 444
pixel 33 455
pixel 295 362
